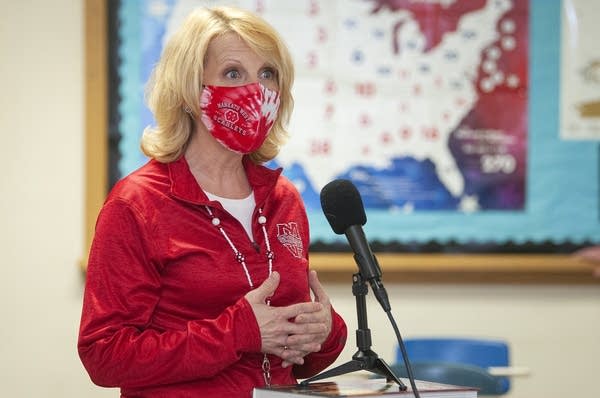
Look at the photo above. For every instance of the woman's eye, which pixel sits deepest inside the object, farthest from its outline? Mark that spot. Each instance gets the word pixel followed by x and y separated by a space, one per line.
pixel 232 74
pixel 268 74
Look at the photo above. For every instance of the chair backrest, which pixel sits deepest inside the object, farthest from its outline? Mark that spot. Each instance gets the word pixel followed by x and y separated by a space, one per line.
pixel 450 373
pixel 471 351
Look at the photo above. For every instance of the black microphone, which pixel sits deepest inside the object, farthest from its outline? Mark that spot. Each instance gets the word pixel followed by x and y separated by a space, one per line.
pixel 343 208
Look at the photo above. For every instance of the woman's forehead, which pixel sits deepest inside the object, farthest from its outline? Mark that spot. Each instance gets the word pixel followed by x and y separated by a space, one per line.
pixel 231 46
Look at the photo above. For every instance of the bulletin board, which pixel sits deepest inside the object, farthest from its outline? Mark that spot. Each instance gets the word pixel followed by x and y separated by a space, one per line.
pixel 472 161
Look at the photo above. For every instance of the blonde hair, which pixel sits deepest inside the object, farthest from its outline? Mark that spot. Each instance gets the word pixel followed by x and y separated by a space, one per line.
pixel 176 82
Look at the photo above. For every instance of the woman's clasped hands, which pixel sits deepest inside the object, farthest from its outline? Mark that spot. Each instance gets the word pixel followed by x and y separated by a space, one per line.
pixel 294 331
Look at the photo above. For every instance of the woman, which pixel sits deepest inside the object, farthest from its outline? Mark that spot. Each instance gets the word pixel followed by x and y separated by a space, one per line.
pixel 198 281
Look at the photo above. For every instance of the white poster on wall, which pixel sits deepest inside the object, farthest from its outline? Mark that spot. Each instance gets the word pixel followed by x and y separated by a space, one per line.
pixel 580 70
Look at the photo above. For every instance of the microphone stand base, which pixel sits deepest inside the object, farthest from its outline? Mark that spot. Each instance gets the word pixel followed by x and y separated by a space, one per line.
pixel 368 361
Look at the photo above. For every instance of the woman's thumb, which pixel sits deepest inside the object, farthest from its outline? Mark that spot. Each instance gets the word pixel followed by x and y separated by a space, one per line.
pixel 268 287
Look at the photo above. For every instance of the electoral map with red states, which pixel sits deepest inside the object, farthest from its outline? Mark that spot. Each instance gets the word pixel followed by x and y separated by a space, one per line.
pixel 422 104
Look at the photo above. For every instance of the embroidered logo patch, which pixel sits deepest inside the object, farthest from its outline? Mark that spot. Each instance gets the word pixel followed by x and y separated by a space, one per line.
pixel 288 235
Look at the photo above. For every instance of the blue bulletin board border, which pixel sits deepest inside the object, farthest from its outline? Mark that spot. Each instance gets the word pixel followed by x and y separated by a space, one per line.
pixel 562 199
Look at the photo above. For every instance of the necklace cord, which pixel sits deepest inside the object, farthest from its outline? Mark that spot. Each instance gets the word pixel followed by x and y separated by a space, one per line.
pixel 262 220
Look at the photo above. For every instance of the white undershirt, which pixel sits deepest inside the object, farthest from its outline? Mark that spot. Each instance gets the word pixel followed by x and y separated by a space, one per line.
pixel 241 209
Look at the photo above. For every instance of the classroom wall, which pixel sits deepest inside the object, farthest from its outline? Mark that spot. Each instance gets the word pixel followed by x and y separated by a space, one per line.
pixel 554 330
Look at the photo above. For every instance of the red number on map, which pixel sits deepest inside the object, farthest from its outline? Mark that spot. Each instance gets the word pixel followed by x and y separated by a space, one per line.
pixel 365 89
pixel 319 147
pixel 314 8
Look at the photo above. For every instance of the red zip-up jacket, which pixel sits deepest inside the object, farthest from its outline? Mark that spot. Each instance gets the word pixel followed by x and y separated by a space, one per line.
pixel 164 313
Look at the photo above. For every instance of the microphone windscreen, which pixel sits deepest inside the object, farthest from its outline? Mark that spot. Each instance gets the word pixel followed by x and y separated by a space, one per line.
pixel 342 205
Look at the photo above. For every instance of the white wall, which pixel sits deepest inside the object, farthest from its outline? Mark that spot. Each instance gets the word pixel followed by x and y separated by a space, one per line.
pixel 555 330
pixel 41 198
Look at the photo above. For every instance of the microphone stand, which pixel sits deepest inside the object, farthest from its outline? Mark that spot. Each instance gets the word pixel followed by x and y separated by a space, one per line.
pixel 364 358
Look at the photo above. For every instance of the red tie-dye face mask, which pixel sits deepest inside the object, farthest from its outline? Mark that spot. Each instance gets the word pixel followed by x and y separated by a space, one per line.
pixel 239 117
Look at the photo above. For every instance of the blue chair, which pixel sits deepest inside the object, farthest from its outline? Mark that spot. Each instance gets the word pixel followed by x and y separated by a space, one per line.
pixel 459 361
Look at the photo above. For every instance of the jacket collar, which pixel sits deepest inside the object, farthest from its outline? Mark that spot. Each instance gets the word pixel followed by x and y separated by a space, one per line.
pixel 184 185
